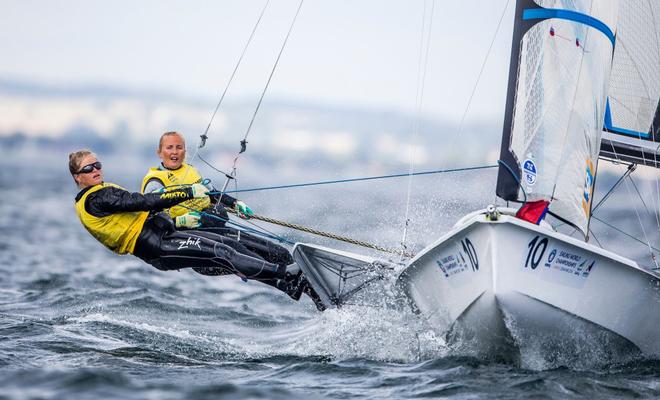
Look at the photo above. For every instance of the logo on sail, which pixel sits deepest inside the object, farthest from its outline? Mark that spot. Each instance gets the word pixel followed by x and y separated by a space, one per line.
pixel 588 187
pixel 529 171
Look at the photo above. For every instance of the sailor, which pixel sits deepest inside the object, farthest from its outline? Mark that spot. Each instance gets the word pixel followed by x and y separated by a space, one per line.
pixel 174 171
pixel 129 223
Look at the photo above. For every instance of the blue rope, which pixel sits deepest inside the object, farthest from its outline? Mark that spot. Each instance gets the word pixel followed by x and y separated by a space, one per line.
pixel 513 174
pixel 281 239
pixel 358 179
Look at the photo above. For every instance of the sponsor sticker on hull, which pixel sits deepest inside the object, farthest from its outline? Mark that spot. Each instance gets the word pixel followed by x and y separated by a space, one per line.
pixel 452 264
pixel 557 263
pixel 456 261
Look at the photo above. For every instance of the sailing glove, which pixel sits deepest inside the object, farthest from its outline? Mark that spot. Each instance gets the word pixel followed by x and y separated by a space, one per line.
pixel 243 210
pixel 199 190
pixel 188 220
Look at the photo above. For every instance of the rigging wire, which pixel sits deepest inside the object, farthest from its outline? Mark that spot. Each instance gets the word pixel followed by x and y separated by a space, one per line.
pixel 419 100
pixel 654 129
pixel 648 242
pixel 649 95
pixel 593 235
pixel 614 188
pixel 211 165
pixel 639 219
pixel 640 197
pixel 202 138
pixel 626 233
pixel 644 160
pixel 483 65
pixel 263 93
pixel 368 178
pixel 258 230
pixel 631 168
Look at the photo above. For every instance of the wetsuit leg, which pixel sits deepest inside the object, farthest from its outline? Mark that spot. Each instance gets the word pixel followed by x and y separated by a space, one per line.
pixel 281 284
pixel 228 241
pixel 268 250
pixel 294 282
pixel 211 254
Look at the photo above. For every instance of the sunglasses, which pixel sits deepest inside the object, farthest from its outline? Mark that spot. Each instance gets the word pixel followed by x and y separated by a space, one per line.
pixel 90 167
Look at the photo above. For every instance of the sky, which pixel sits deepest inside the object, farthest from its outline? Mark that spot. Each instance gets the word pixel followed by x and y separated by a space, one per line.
pixel 362 53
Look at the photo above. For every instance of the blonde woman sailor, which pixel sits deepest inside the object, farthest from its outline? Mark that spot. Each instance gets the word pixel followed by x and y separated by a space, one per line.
pixel 130 223
pixel 173 171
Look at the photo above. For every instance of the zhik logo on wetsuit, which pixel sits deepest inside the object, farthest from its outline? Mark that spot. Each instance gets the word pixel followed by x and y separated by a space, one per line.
pixel 184 244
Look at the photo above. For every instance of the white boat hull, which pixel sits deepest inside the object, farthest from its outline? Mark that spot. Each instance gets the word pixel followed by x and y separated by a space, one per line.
pixel 509 282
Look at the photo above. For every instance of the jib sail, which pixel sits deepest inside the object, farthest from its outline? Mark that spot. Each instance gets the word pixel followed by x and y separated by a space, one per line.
pixel 561 60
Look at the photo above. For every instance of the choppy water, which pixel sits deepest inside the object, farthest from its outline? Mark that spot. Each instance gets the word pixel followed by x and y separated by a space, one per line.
pixel 79 322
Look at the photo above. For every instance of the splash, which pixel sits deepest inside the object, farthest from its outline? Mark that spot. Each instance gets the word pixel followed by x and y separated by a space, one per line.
pixel 581 346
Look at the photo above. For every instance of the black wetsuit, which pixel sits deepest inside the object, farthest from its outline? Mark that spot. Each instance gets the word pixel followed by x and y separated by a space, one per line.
pixel 213 249
pixel 214 218
pixel 166 248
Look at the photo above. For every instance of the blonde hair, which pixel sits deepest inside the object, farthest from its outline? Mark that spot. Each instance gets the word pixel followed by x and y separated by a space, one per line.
pixel 160 142
pixel 76 157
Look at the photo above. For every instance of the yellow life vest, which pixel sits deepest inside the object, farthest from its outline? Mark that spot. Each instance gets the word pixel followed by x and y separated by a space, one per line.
pixel 185 175
pixel 119 231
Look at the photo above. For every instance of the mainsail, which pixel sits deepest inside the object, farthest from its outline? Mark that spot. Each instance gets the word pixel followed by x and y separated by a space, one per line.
pixel 561 60
pixel 632 118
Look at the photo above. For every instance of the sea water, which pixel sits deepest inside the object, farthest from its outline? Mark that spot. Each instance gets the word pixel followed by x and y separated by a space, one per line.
pixel 77 321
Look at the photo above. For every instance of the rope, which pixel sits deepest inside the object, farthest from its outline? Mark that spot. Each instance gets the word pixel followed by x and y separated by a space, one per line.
pixel 232 175
pixel 423 59
pixel 263 93
pixel 299 228
pixel 369 178
pixel 296 227
pixel 641 225
pixel 327 234
pixel 243 227
pixel 513 174
pixel 316 231
pixel 627 234
pixel 483 65
pixel 203 137
pixel 631 168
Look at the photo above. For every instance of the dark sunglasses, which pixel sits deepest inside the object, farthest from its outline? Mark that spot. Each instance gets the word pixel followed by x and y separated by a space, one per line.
pixel 90 167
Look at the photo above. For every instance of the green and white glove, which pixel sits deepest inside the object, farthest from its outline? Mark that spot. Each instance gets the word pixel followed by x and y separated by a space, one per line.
pixel 199 190
pixel 188 220
pixel 243 210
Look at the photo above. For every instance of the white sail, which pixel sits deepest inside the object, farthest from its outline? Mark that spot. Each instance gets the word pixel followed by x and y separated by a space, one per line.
pixel 557 110
pixel 631 134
